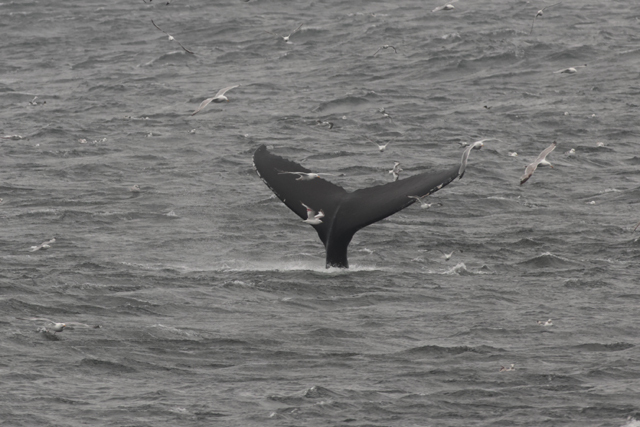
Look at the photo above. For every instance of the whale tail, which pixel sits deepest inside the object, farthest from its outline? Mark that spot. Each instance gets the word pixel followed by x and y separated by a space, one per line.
pixel 345 212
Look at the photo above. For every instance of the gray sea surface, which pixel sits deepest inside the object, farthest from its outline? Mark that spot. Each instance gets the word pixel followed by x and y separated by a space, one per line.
pixel 213 299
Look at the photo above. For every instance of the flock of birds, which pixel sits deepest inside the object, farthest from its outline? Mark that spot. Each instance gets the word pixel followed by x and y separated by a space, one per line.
pixel 315 217
pixel 395 171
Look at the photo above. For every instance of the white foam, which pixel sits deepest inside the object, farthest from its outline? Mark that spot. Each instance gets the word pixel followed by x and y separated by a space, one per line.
pixel 631 422
pixel 456 269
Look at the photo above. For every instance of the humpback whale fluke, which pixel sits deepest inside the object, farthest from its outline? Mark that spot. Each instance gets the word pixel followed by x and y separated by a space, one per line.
pixel 344 213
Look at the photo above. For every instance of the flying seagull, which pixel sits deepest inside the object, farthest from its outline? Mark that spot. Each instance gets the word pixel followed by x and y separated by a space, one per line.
pixel 54 327
pixel 421 199
pixel 540 14
pixel 34 102
pixel 465 155
pixel 171 38
pixel 386 46
pixel 43 245
pixel 447 256
pixel 219 97
pixel 448 6
pixel 313 218
pixel 381 147
pixel 384 113
pixel 306 176
pixel 540 160
pixel 286 38
pixel 545 323
pixel 570 70
pixel 396 170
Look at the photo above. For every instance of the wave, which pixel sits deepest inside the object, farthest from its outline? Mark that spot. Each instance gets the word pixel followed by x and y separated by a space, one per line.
pixel 437 350
pixel 348 104
pixel 548 260
pixel 461 270
pixel 619 346
pixel 586 284
pixel 105 365
pixel 287 266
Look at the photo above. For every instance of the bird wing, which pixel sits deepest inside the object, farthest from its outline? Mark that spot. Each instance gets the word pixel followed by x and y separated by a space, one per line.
pixel 154 24
pixel 531 167
pixel 271 32
pixel 295 31
pixel 545 153
pixel 528 171
pixel 184 48
pixel 463 161
pixel 224 90
pixel 377 51
pixel 551 5
pixel 310 212
pixel 202 105
pixel 533 22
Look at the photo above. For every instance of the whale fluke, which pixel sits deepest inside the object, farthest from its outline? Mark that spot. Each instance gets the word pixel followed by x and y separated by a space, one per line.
pixel 344 213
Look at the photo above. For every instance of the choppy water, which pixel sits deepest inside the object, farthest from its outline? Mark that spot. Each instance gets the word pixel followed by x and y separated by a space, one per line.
pixel 215 305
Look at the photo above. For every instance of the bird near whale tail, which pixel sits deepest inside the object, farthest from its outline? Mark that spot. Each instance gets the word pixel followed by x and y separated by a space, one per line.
pixel 344 212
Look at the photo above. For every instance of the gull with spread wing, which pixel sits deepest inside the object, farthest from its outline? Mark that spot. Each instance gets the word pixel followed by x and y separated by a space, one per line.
pixel 447 6
pixel 286 38
pixel 386 46
pixel 53 327
pixel 540 12
pixel 313 217
pixel 219 97
pixel 540 160
pixel 171 38
pixel 306 176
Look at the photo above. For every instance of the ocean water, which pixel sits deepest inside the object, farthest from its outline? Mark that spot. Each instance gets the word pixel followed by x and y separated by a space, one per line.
pixel 214 304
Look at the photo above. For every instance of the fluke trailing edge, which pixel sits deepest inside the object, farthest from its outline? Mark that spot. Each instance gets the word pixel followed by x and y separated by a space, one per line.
pixel 344 213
